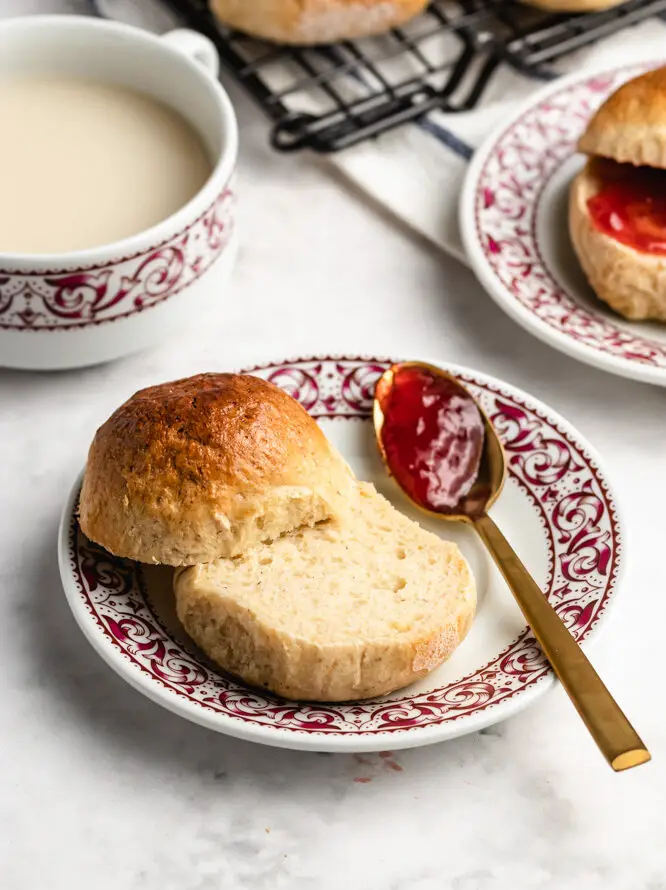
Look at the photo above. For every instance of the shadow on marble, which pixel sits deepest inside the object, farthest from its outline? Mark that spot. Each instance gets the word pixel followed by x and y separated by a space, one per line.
pixel 92 700
pixel 512 353
pixel 33 386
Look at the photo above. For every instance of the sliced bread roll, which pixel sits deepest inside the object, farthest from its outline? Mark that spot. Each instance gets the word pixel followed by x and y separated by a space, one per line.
pixel 342 611
pixel 202 468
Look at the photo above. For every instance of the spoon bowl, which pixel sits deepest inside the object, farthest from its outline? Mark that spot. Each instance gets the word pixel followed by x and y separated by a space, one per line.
pixel 443 428
pixel 490 479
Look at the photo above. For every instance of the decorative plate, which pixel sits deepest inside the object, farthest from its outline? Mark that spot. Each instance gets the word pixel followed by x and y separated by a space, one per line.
pixel 556 509
pixel 513 219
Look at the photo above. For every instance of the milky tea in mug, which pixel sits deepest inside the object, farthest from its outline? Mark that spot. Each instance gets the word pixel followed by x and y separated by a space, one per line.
pixel 84 163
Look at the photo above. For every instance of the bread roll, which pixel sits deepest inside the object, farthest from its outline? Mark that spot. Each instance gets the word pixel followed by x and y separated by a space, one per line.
pixel 630 281
pixel 205 467
pixel 347 610
pixel 630 126
pixel 314 21
pixel 573 6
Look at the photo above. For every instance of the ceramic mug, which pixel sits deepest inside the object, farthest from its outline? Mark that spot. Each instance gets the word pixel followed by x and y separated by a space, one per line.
pixel 90 306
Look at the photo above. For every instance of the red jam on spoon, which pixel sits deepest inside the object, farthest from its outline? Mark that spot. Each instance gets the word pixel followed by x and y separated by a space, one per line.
pixel 631 206
pixel 432 435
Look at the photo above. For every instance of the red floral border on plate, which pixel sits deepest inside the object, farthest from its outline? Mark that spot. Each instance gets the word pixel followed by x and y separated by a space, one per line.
pixel 78 298
pixel 574 505
pixel 509 190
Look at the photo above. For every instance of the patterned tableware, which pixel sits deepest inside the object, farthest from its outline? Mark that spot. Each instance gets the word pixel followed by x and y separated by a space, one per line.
pixel 513 218
pixel 91 306
pixel 556 508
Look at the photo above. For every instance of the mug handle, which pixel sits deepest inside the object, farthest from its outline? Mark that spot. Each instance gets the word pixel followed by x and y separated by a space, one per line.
pixel 196 46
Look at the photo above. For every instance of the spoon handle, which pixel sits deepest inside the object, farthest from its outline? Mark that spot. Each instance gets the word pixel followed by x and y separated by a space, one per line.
pixel 615 736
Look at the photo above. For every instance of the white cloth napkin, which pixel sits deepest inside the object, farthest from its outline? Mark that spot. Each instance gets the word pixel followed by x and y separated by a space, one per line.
pixel 417 171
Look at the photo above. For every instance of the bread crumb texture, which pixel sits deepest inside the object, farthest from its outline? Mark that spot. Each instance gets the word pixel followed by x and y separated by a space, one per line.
pixel 345 610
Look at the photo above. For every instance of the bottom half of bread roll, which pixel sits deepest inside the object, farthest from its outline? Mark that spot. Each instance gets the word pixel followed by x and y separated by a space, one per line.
pixel 342 611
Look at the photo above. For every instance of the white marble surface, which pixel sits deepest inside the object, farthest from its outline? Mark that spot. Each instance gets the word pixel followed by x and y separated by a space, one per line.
pixel 102 789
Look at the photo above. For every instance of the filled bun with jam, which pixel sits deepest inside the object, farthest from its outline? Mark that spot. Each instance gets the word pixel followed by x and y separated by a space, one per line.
pixel 617 204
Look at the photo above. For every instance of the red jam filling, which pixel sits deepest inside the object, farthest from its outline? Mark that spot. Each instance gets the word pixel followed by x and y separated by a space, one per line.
pixel 432 437
pixel 631 206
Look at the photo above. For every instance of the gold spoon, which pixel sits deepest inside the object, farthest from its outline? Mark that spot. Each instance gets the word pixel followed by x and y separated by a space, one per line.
pixel 615 736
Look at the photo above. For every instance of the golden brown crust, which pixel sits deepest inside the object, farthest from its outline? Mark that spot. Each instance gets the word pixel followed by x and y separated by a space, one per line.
pixel 630 126
pixel 573 5
pixel 315 21
pixel 199 468
pixel 632 283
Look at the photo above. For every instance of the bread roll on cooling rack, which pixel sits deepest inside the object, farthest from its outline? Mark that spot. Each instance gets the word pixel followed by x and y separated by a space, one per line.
pixel 309 22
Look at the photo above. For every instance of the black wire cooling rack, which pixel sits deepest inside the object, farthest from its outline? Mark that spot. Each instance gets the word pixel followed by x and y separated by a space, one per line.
pixel 329 97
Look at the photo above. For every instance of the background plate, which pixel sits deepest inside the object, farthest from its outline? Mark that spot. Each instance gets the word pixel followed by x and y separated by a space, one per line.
pixel 513 219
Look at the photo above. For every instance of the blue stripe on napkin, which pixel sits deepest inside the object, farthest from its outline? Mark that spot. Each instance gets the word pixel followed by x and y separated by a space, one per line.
pixel 446 137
